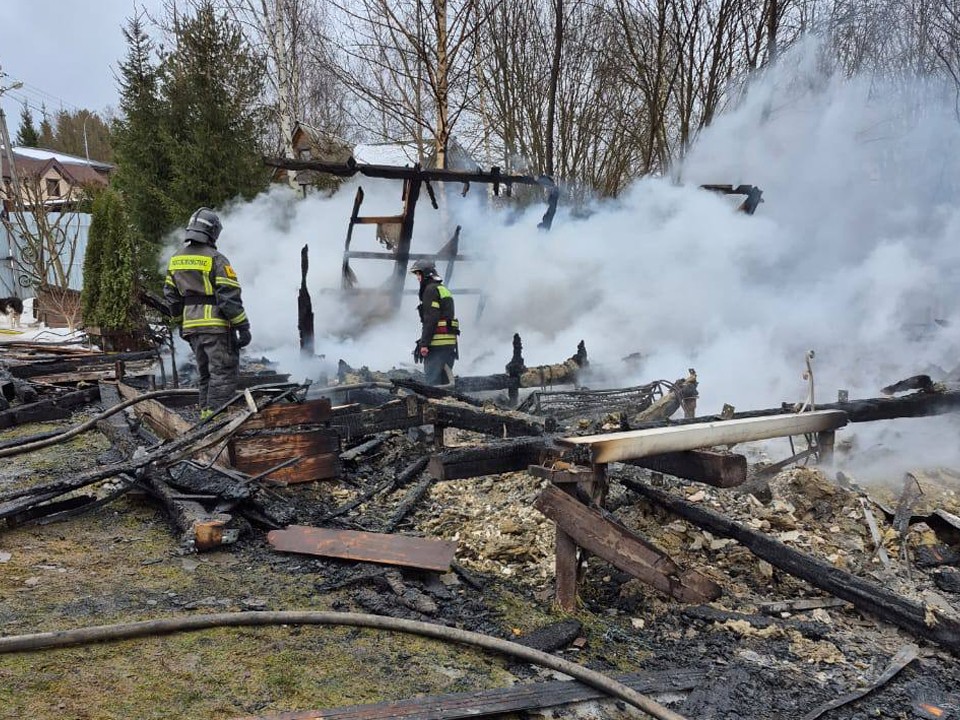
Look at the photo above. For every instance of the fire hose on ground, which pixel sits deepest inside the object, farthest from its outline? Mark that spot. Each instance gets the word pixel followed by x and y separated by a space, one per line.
pixel 124 631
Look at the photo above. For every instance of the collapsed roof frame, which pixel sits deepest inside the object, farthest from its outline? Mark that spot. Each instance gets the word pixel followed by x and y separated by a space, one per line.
pixel 413 177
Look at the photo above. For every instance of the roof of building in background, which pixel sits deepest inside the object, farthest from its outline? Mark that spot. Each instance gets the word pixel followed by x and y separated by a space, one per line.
pixel 397 154
pixel 62 158
pixel 36 161
pixel 405 153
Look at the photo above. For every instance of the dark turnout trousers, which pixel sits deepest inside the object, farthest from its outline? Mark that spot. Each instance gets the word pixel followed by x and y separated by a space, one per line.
pixel 218 361
pixel 438 365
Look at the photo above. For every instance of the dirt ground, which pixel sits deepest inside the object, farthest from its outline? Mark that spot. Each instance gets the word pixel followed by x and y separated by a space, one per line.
pixel 120 563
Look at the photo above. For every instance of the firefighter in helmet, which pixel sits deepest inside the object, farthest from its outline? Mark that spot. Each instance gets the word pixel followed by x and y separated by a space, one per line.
pixel 203 294
pixel 437 347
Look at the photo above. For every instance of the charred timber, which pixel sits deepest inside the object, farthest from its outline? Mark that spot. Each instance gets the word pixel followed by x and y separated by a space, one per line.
pixel 391 172
pixel 49 409
pixel 490 459
pixel 923 621
pixel 55 367
pixel 413 411
pixel 919 404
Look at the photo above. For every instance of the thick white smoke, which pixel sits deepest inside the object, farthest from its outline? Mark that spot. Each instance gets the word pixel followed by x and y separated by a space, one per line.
pixel 853 254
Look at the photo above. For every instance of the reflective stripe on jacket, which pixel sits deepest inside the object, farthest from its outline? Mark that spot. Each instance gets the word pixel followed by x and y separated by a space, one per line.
pixel 440 326
pixel 202 289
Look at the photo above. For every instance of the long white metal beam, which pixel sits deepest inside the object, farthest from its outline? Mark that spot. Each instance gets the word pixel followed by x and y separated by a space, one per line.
pixel 633 444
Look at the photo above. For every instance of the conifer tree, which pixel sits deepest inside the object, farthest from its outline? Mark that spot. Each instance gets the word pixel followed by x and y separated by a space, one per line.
pixel 212 87
pixel 140 154
pixel 27 135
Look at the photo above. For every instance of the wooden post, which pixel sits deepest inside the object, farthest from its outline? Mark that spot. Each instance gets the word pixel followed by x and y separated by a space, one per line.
pixel 515 369
pixel 825 442
pixel 566 564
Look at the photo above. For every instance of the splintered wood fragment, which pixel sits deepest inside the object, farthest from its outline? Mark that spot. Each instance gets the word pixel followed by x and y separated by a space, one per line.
pixel 622 446
pixel 906 655
pixel 423 553
pixel 707 466
pixel 880 550
pixel 310 412
pixel 162 420
pixel 562 473
pixel 500 701
pixel 624 549
pixel 802 605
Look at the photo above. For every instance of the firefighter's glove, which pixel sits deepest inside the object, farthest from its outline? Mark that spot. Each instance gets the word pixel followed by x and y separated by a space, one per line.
pixel 417 356
pixel 243 337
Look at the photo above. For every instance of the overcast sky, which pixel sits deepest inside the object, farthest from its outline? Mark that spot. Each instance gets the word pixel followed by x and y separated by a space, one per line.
pixel 65 52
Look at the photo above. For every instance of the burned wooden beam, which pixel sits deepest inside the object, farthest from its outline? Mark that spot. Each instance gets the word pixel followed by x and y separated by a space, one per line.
pixel 492 458
pixel 921 620
pixel 198 529
pixel 423 553
pixel 49 409
pixel 76 364
pixel 413 411
pixel 720 469
pixel 623 548
pixel 618 447
pixel 305 324
pixel 918 404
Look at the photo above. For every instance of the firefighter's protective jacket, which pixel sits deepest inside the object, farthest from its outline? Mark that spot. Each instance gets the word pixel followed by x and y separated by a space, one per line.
pixel 203 292
pixel 440 326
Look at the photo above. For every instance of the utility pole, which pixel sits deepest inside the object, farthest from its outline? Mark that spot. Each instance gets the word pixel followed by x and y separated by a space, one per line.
pixel 15 188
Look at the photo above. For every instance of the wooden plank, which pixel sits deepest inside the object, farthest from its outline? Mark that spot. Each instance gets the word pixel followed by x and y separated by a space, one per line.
pixel 309 469
pixel 50 367
pixel 311 412
pixel 499 701
pixel 166 423
pixel 633 444
pixel 707 466
pixel 274 448
pixel 424 553
pixel 623 549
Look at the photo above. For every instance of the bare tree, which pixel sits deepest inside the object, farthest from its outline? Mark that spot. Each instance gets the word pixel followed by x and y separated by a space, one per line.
pixel 410 63
pixel 47 239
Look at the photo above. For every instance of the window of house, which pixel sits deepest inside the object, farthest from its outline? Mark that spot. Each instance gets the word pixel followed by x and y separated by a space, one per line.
pixel 304 153
pixel 53 188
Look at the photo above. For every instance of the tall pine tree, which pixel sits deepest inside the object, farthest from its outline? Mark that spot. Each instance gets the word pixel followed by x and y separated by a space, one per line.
pixel 27 135
pixel 212 88
pixel 143 167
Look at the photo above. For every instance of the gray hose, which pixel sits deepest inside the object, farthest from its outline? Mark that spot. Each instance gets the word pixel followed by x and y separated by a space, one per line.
pixel 73 432
pixel 122 631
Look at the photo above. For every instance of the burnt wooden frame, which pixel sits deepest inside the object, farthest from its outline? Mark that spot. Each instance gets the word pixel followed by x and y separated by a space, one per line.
pixel 413 178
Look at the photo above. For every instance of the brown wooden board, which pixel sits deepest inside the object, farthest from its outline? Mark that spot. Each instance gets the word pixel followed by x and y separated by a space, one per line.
pixel 310 412
pixel 622 548
pixel 315 467
pixel 499 701
pixel 424 553
pixel 274 448
pixel 706 466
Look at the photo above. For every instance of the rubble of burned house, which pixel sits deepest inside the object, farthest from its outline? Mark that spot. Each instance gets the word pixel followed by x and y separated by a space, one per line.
pixel 597 501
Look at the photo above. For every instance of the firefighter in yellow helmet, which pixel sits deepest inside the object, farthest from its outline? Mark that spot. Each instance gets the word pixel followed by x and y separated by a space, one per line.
pixel 203 293
pixel 437 347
